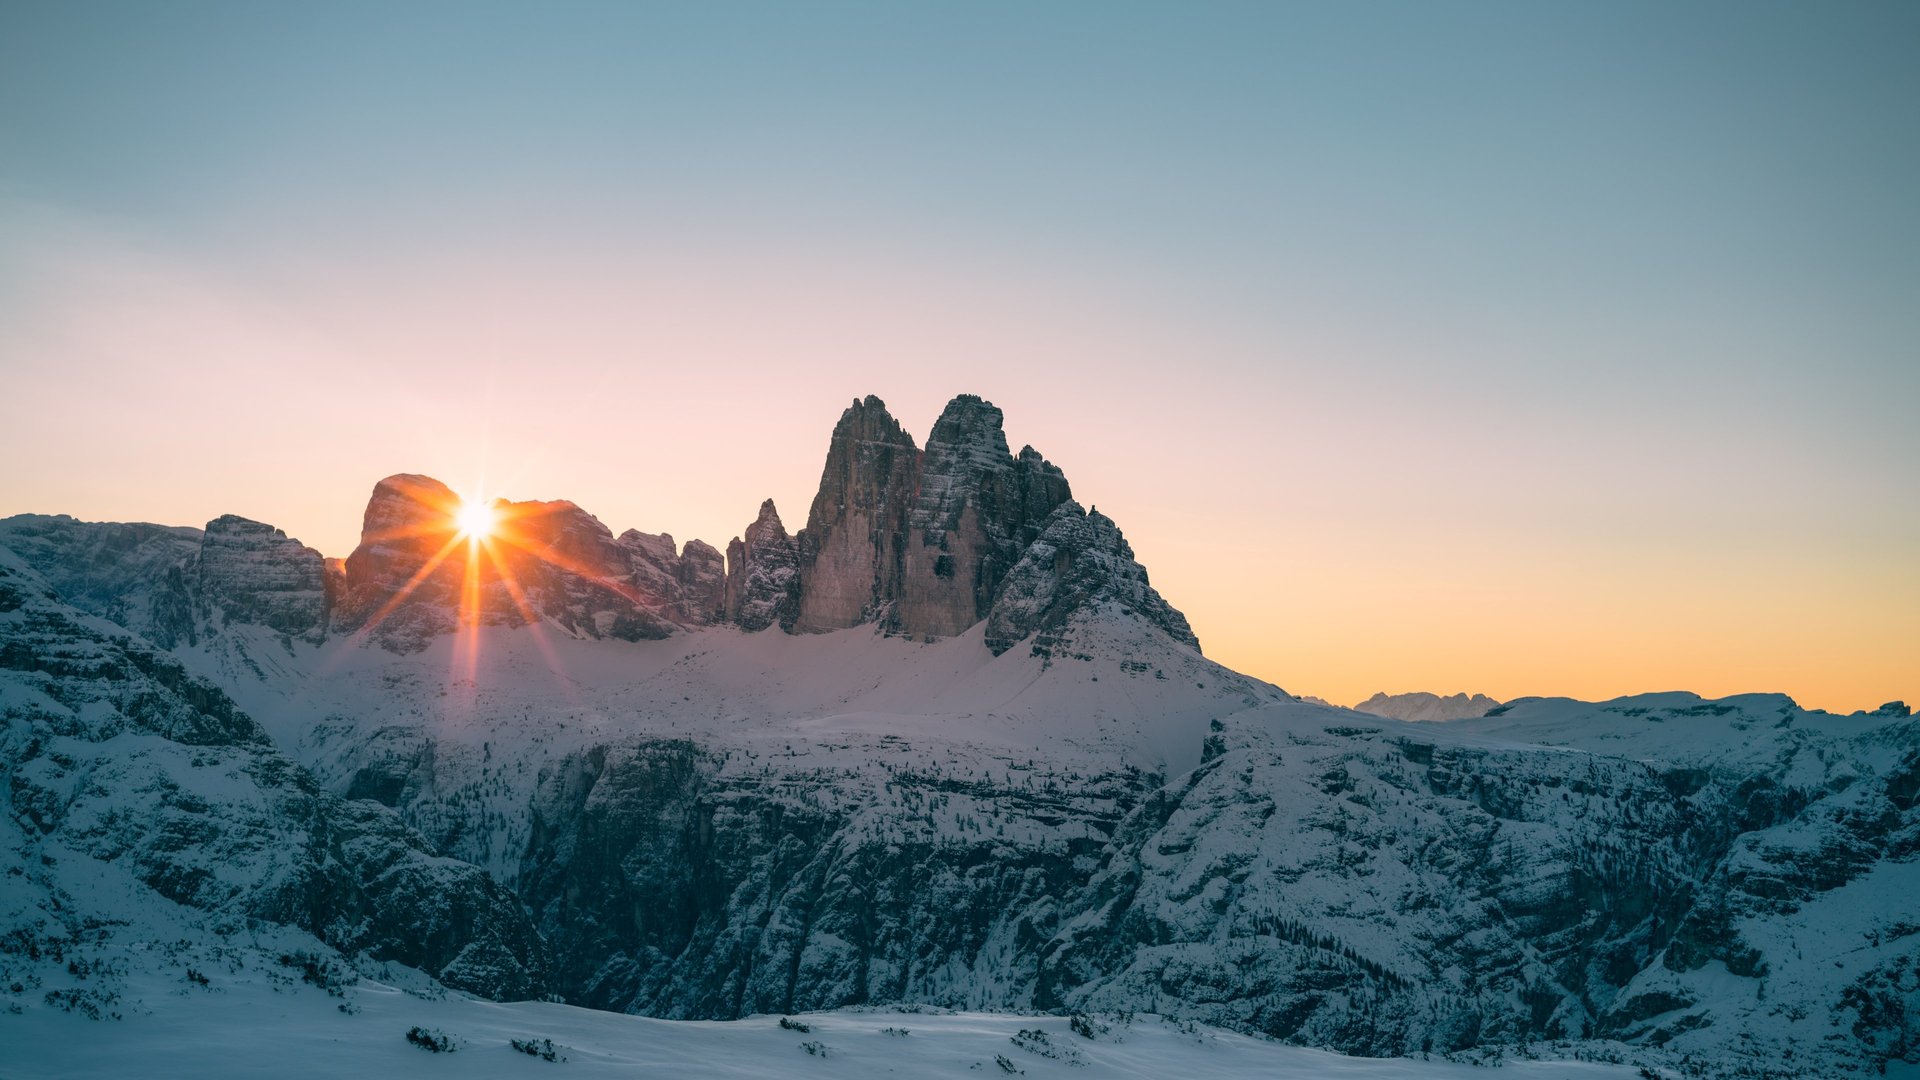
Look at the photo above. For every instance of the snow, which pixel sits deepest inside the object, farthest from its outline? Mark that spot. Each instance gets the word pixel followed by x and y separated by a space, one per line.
pixel 254 1021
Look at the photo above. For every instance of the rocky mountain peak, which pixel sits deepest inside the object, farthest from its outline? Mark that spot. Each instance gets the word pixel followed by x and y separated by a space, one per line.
pixel 1079 561
pixel 252 572
pixel 976 509
pixel 850 550
pixel 408 517
pixel 762 573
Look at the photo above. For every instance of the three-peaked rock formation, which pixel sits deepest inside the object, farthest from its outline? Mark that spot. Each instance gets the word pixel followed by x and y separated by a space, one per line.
pixel 922 542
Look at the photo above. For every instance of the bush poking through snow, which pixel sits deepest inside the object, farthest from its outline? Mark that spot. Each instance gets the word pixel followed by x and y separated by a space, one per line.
pixel 320 972
pixel 92 1004
pixel 1007 1066
pixel 437 1042
pixel 817 1049
pixel 540 1048
pixel 787 1023
pixel 1035 1041
pixel 900 1031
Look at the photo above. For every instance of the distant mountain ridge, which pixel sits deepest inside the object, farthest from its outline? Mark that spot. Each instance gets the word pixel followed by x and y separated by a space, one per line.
pixel 1427 707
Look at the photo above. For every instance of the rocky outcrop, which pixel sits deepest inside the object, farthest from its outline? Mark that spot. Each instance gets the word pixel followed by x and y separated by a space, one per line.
pixel 414 576
pixel 850 553
pixel 253 573
pixel 575 573
pixel 919 542
pixel 702 576
pixel 137 575
pixel 407 524
pixel 976 510
pixel 1423 706
pixel 688 587
pixel 763 574
pixel 674 881
pixel 1080 559
pixel 654 563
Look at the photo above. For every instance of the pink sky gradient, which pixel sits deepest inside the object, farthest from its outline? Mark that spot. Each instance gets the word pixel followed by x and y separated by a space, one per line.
pixel 1324 528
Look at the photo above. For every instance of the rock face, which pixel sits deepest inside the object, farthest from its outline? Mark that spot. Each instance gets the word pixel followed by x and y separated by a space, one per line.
pixel 1079 559
pixel 139 576
pixel 174 586
pixel 702 577
pixel 414 576
pixel 977 509
pixel 851 551
pixel 671 882
pixel 253 573
pixel 919 543
pixel 407 523
pixel 575 573
pixel 111 751
pixel 763 571
pixel 1423 706
pixel 1700 875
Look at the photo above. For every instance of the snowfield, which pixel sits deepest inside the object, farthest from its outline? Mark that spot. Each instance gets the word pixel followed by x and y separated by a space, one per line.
pixel 256 1021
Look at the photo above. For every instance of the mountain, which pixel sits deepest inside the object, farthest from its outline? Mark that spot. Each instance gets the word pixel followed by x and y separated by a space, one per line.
pixel 117 756
pixel 945 746
pixel 1423 706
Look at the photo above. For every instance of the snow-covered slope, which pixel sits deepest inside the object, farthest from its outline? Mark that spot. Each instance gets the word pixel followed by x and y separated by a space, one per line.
pixel 943 747
pixel 1384 885
pixel 254 1016
pixel 118 761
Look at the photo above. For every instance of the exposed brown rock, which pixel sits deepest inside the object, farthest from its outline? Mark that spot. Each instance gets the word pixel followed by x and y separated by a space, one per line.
pixel 850 551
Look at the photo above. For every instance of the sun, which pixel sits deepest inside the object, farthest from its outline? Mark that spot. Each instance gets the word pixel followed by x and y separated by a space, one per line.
pixel 475 520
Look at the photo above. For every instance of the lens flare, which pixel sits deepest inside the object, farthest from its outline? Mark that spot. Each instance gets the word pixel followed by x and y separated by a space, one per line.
pixel 475 520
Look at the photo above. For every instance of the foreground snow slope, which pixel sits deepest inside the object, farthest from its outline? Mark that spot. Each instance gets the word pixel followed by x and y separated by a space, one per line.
pixel 254 1020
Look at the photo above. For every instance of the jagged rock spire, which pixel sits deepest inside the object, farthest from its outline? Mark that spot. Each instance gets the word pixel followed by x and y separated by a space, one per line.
pixel 850 551
pixel 762 573
pixel 976 510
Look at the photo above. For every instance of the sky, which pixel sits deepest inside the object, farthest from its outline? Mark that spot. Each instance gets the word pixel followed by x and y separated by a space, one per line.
pixel 1517 349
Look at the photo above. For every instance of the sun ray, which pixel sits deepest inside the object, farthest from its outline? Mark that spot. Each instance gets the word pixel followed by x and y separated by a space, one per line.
pixel 545 553
pixel 555 666
pixel 406 590
pixel 487 530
